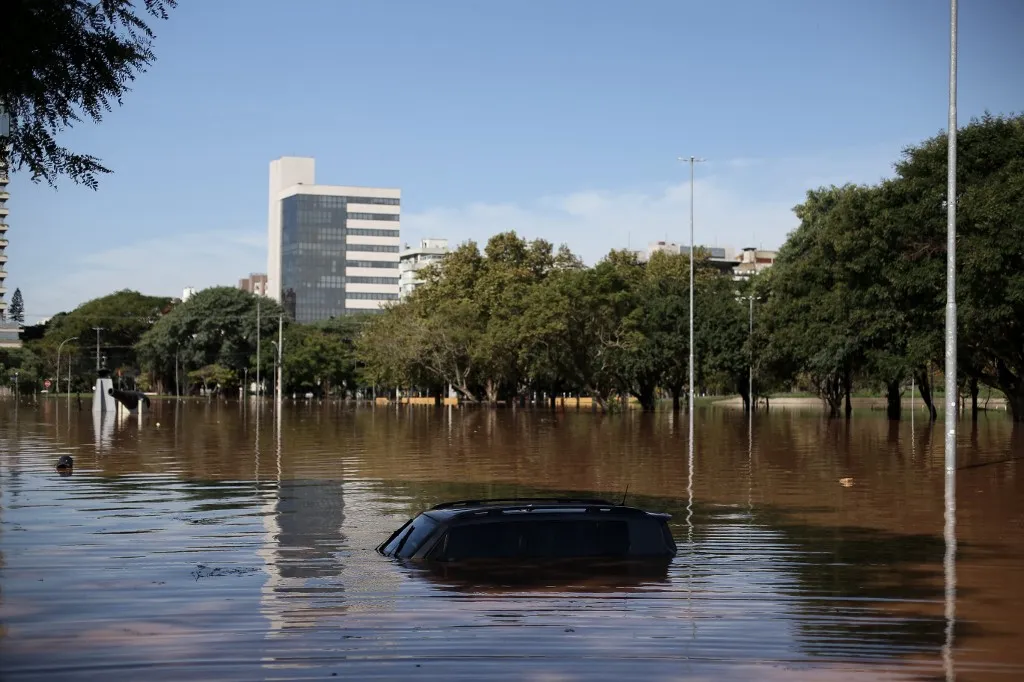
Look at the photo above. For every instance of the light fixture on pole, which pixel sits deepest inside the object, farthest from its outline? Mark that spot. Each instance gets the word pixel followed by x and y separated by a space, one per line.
pixel 69 363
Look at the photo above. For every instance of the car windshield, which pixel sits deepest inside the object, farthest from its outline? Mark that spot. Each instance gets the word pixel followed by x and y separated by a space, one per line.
pixel 407 541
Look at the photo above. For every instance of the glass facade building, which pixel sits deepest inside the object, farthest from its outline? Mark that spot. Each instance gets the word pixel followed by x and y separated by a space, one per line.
pixel 317 252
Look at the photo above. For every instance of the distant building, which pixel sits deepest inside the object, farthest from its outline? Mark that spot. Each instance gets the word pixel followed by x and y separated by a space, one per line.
pixel 187 293
pixel 753 261
pixel 741 265
pixel 411 261
pixel 255 283
pixel 10 330
pixel 332 250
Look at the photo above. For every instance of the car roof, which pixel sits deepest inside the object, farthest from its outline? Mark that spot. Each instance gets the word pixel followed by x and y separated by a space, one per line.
pixel 496 507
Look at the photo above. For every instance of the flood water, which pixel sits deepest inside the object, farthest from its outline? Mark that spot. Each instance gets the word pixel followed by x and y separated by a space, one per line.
pixel 205 541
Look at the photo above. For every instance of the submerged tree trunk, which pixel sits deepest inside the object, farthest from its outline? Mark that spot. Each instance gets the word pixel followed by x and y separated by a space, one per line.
pixel 743 386
pixel 645 396
pixel 491 391
pixel 924 387
pixel 972 385
pixel 894 399
pixel 847 391
pixel 677 392
pixel 831 391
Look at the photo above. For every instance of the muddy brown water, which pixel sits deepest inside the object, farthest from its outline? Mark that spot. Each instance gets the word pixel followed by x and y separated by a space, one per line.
pixel 207 541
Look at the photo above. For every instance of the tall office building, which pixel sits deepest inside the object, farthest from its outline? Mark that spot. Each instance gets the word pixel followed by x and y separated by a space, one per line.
pixel 332 250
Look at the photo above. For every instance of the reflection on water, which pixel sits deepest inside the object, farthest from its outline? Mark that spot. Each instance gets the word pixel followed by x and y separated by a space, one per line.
pixel 216 540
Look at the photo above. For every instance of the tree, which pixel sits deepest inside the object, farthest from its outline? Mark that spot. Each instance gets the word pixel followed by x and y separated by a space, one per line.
pixel 990 274
pixel 216 326
pixel 60 60
pixel 17 309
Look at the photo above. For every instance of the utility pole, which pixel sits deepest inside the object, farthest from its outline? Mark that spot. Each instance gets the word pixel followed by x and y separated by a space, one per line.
pixel 98 330
pixel 280 358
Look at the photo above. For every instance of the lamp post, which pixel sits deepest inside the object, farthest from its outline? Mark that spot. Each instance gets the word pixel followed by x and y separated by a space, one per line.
pixel 69 363
pixel 277 359
pixel 692 160
pixel 952 398
pixel 98 330
pixel 280 358
pixel 750 341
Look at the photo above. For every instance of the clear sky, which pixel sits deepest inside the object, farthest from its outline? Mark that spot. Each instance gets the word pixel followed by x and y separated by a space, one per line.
pixel 560 119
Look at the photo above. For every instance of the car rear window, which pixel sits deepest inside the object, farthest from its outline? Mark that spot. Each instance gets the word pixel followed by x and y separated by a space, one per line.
pixel 538 539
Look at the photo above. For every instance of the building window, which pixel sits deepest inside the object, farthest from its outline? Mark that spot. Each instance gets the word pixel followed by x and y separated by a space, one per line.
pixel 391 265
pixel 379 201
pixel 377 248
pixel 372 280
pixel 369 296
pixel 370 232
pixel 373 216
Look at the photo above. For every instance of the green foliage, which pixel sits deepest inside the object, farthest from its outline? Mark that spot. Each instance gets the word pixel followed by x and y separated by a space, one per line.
pixel 213 377
pixel 17 310
pixel 61 59
pixel 216 326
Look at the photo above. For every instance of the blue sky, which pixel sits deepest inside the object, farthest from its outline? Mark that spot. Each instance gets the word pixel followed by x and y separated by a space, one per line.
pixel 559 119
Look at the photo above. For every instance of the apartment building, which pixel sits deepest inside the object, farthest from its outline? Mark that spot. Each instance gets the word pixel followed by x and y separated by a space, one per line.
pixel 411 261
pixel 332 249
pixel 255 283
pixel 10 330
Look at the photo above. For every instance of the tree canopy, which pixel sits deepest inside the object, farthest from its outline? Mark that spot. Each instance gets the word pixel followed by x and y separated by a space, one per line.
pixel 60 61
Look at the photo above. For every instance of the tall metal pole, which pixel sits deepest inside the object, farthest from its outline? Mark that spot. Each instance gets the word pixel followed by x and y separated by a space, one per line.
pixel 58 362
pixel 98 330
pixel 280 357
pixel 257 347
pixel 952 397
pixel 750 368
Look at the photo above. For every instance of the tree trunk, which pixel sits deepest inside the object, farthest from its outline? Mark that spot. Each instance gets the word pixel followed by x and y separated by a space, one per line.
pixel 677 392
pixel 972 385
pixel 744 388
pixel 847 390
pixel 645 395
pixel 894 399
pixel 924 387
pixel 554 400
pixel 831 391
pixel 491 389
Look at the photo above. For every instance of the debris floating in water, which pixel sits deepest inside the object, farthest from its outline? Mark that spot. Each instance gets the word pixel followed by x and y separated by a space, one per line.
pixel 65 463
pixel 846 482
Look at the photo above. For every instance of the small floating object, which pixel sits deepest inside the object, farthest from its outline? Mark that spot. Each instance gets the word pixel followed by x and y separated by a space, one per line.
pixel 158 425
pixel 846 482
pixel 65 464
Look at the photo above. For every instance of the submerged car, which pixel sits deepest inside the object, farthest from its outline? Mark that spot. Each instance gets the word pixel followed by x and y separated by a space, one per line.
pixel 529 529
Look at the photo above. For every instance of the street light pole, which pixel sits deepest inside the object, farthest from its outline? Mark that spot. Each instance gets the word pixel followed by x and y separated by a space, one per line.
pixel 98 330
pixel 952 394
pixel 69 363
pixel 257 348
pixel 692 160
pixel 280 358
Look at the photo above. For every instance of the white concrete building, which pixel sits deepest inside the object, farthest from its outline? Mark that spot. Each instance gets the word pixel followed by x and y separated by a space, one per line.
pixel 411 261
pixel 332 250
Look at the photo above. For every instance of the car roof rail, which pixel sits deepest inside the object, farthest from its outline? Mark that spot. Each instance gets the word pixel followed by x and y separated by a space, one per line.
pixel 511 501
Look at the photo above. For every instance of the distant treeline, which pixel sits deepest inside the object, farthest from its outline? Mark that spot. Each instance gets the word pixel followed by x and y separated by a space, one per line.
pixel 855 299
